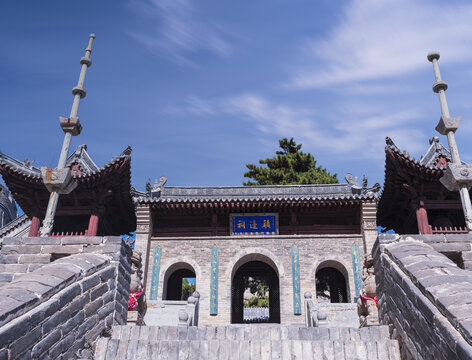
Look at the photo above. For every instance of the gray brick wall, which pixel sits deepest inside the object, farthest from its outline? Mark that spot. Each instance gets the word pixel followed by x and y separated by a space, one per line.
pixel 53 311
pixel 23 255
pixel 313 251
pixel 425 296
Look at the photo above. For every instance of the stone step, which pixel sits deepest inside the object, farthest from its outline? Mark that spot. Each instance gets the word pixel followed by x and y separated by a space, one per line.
pixel 110 349
pixel 249 332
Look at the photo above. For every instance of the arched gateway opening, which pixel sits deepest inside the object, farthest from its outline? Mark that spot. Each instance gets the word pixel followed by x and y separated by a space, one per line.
pixel 255 295
pixel 179 282
pixel 331 283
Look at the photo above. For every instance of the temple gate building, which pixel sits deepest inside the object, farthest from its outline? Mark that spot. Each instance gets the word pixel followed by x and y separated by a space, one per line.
pixel 413 200
pixel 300 238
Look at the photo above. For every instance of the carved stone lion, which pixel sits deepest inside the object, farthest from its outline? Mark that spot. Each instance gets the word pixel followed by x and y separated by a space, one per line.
pixel 367 303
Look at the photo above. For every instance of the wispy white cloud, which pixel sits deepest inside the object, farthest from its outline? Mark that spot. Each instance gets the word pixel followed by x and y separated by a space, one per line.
pixel 354 131
pixel 383 39
pixel 174 30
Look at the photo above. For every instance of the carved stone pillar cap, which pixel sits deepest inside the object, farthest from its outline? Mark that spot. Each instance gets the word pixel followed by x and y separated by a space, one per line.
pixel 196 294
pixel 191 300
pixel 308 295
pixel 71 125
pixel 322 315
pixel 58 180
pixel 447 124
pixel 457 174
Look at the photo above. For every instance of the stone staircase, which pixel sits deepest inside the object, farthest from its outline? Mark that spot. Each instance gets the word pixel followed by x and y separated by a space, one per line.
pixel 258 341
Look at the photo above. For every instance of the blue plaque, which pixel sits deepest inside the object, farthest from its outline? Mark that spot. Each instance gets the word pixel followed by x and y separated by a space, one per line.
pixel 214 281
pixel 356 265
pixel 156 263
pixel 254 224
pixel 297 305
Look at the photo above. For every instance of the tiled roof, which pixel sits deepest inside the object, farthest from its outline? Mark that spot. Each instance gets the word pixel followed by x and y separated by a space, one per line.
pixel 435 150
pixel 80 156
pixel 165 194
pixel 13 224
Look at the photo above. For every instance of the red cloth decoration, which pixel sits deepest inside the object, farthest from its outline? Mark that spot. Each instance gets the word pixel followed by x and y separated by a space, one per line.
pixel 365 298
pixel 133 300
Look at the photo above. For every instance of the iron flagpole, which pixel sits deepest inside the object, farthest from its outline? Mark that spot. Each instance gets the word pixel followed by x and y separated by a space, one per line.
pixel 458 176
pixel 59 181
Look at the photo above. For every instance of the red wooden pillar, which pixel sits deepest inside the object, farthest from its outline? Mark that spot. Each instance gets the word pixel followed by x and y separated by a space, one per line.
pixel 93 225
pixel 34 228
pixel 214 224
pixel 422 219
pixel 293 222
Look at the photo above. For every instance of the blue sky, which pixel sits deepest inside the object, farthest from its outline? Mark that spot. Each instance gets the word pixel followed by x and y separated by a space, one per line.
pixel 201 88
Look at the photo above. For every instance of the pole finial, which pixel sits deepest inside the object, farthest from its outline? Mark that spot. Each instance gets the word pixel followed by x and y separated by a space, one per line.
pixel 433 55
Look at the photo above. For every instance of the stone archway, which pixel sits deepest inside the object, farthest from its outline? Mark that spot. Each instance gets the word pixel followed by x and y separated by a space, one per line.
pixel 259 268
pixel 173 280
pixel 331 282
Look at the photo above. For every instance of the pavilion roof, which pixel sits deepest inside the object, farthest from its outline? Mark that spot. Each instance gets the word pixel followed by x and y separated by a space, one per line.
pixel 25 183
pixel 400 170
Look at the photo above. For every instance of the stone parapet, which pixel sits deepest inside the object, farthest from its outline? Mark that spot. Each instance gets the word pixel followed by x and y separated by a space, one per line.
pixel 55 310
pixel 20 255
pixel 425 295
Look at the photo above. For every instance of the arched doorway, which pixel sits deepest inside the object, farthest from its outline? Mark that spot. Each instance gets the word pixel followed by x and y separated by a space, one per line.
pixel 179 282
pixel 330 285
pixel 255 285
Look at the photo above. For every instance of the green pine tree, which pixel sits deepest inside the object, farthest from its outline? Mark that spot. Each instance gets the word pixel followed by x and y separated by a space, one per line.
pixel 289 167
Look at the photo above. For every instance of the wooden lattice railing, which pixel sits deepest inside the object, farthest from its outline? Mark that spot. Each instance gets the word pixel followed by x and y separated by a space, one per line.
pixel 57 234
pixel 449 230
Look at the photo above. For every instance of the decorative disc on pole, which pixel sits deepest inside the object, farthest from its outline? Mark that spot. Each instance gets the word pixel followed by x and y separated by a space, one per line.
pixel 59 181
pixel 458 176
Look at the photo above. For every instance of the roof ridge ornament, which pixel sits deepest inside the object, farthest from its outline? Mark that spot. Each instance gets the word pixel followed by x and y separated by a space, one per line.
pixel 361 190
pixel 127 151
pixel 458 176
pixel 157 188
pixel 59 180
pixel 28 163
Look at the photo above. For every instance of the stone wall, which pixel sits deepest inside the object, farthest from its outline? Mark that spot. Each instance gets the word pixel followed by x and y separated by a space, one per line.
pixel 425 295
pixel 457 247
pixel 314 250
pixel 55 310
pixel 20 255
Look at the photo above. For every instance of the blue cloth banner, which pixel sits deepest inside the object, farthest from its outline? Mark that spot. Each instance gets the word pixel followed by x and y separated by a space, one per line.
pixel 254 224
pixel 297 305
pixel 356 265
pixel 214 281
pixel 156 263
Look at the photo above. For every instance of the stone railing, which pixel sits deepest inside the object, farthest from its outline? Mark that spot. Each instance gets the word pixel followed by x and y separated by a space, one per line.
pixel 424 295
pixel 189 316
pixel 314 317
pixel 62 308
